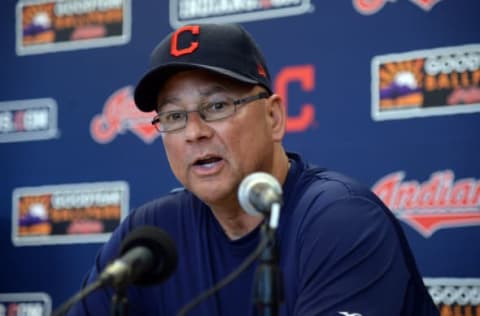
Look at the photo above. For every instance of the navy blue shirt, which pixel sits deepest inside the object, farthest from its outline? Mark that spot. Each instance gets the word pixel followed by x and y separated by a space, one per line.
pixel 341 252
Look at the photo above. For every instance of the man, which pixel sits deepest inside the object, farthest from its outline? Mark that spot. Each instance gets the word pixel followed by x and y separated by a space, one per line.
pixel 341 251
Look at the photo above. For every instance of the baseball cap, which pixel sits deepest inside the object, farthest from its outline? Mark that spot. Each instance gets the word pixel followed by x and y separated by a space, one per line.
pixel 226 49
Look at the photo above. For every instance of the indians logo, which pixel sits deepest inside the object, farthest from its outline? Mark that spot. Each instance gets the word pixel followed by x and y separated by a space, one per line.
pixel 440 202
pixel 121 115
pixel 368 7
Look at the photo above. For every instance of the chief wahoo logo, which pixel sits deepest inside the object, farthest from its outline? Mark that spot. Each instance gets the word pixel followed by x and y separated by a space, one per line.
pixel 426 5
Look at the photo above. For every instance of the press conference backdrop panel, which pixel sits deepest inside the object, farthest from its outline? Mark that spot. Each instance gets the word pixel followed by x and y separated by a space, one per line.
pixel 385 91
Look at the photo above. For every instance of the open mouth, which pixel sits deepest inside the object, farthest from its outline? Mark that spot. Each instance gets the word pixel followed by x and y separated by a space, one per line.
pixel 207 162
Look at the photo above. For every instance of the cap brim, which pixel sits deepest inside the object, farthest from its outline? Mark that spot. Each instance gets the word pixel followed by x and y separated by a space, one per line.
pixel 146 91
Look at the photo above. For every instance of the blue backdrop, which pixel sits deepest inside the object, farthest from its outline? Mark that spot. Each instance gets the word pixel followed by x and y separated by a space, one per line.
pixel 320 53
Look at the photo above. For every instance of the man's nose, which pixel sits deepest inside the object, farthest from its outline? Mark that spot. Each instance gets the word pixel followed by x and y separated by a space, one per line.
pixel 196 128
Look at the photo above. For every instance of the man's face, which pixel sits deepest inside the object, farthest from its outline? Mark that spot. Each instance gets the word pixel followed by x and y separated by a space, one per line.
pixel 211 158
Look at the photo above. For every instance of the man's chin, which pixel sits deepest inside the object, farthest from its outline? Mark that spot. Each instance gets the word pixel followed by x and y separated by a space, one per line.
pixel 213 196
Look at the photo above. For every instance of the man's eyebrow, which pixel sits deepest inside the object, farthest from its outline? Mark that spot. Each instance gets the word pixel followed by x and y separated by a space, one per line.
pixel 204 93
pixel 166 100
pixel 212 90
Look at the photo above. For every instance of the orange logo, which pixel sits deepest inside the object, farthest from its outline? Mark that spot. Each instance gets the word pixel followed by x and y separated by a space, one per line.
pixel 437 203
pixel 174 50
pixel 120 114
pixel 368 7
pixel 305 74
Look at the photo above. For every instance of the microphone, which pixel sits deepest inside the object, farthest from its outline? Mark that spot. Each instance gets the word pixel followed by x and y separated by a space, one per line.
pixel 258 193
pixel 261 194
pixel 148 256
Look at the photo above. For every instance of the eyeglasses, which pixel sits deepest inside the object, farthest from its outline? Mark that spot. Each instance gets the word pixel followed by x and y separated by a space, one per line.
pixel 170 121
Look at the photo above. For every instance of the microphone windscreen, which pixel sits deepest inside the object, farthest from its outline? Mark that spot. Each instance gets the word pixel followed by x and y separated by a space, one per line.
pixel 252 189
pixel 163 250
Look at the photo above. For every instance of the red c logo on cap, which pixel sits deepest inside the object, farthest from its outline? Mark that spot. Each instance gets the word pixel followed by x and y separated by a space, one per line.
pixel 195 30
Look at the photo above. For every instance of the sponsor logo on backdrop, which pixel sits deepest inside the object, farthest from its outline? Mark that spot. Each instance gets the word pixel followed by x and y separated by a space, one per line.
pixel 455 296
pixel 368 7
pixel 426 5
pixel 27 120
pixel 69 213
pixel 438 81
pixel 438 203
pixel 25 304
pixel 121 115
pixel 303 76
pixel 55 25
pixel 220 11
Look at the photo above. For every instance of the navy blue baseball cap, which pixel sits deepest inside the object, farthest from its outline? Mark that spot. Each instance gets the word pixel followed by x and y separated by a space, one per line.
pixel 226 49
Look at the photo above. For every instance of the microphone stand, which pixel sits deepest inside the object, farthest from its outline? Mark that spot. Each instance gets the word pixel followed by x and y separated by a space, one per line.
pixel 268 283
pixel 119 305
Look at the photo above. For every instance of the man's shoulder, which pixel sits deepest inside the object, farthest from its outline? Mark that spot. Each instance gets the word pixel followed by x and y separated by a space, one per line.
pixel 165 208
pixel 336 185
pixel 323 195
pixel 325 180
pixel 175 197
pixel 312 186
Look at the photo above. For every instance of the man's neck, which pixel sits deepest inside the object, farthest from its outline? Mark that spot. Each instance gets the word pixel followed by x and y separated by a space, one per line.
pixel 235 222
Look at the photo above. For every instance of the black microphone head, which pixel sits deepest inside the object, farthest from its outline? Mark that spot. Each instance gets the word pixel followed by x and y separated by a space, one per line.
pixel 162 247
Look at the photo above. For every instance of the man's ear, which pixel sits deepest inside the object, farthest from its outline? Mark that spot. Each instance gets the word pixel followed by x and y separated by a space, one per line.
pixel 278 117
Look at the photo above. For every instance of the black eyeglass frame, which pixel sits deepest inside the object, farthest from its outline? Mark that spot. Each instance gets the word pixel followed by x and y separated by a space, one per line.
pixel 236 103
